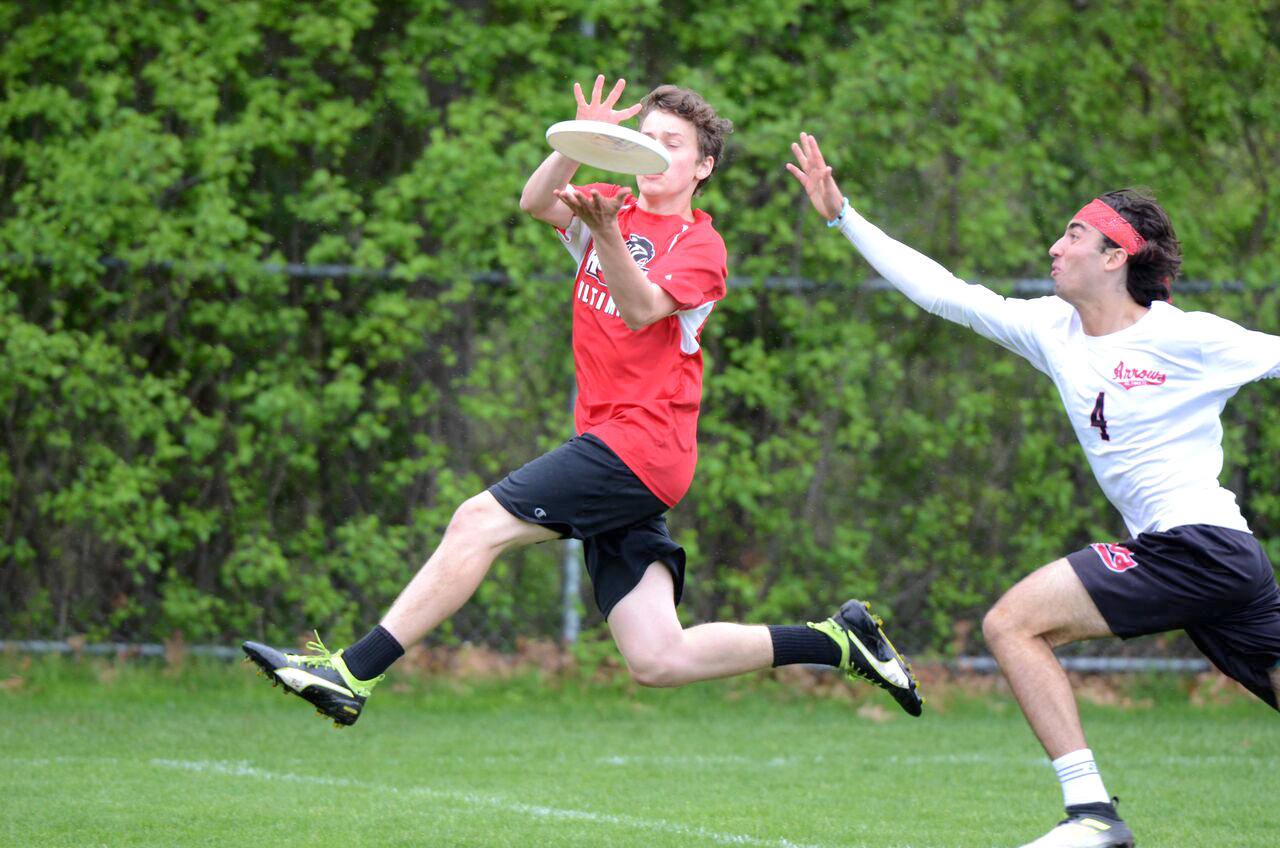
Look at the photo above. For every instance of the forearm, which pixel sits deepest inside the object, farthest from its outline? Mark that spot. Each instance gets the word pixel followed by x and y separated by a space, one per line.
pixel 538 198
pixel 925 282
pixel 639 301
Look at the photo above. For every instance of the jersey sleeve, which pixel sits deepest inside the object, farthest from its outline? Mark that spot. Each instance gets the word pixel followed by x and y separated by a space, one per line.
pixel 576 237
pixel 1234 355
pixel 693 270
pixel 1011 322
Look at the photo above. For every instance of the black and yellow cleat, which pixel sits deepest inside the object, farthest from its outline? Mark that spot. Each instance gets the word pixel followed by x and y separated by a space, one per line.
pixel 321 678
pixel 867 653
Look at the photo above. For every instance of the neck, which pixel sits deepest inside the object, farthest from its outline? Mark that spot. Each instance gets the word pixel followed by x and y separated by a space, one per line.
pixel 681 205
pixel 1102 319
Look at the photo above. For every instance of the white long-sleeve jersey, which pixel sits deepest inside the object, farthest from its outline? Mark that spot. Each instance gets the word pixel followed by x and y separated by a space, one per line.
pixel 1145 402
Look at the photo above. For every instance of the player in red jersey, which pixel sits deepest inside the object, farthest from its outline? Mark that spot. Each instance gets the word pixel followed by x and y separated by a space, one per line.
pixel 649 272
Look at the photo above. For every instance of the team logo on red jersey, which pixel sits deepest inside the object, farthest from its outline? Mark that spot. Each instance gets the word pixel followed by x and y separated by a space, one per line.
pixel 1131 377
pixel 1115 557
pixel 640 248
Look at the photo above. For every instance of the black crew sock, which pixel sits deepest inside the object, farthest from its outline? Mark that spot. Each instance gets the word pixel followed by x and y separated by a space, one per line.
pixel 373 654
pixel 798 644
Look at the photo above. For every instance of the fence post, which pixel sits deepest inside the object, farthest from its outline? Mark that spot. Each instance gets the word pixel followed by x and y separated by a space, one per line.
pixel 571 566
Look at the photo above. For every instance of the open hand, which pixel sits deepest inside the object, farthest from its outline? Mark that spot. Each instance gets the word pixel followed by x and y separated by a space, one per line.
pixel 598 110
pixel 815 175
pixel 595 210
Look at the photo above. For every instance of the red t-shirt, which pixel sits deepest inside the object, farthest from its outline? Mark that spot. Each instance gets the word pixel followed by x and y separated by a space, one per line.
pixel 639 392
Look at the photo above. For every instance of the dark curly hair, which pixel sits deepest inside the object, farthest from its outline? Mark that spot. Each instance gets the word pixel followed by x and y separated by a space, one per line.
pixel 689 105
pixel 1152 269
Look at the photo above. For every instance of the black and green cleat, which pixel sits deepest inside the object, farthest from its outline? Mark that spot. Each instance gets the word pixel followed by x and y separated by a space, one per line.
pixel 321 678
pixel 867 653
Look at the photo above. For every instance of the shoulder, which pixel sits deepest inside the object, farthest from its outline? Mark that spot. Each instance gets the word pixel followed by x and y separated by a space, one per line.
pixel 703 234
pixel 1052 305
pixel 1201 325
pixel 1050 310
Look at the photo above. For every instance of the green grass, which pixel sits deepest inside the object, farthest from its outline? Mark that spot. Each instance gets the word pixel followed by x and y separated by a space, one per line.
pixel 101 755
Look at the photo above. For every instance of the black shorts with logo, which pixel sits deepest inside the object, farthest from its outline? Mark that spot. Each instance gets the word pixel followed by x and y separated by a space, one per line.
pixel 584 491
pixel 1213 582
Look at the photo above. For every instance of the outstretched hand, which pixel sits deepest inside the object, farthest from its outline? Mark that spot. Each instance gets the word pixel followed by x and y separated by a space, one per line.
pixel 595 210
pixel 815 175
pixel 598 110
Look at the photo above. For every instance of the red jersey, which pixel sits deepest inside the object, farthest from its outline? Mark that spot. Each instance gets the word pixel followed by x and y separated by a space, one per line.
pixel 639 392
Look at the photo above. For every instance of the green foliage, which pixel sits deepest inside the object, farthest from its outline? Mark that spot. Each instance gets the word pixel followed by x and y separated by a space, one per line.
pixel 197 441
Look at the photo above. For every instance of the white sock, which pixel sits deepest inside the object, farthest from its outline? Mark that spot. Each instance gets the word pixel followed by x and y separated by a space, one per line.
pixel 1081 783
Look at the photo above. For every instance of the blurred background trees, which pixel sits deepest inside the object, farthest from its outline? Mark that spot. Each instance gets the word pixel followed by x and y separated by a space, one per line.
pixel 269 310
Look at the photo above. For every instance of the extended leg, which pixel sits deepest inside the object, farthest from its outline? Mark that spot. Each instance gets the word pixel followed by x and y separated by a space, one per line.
pixel 659 651
pixel 1051 607
pixel 480 530
pixel 1047 608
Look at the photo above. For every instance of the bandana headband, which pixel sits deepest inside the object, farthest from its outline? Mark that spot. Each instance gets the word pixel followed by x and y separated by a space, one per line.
pixel 1111 224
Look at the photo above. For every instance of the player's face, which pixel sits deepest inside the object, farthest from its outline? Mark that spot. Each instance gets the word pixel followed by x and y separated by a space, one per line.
pixel 687 168
pixel 1078 260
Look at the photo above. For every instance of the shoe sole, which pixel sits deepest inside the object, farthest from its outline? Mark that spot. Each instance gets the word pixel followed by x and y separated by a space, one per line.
pixel 855 616
pixel 329 704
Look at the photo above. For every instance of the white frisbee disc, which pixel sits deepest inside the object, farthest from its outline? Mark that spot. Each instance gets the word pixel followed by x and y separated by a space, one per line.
pixel 608 146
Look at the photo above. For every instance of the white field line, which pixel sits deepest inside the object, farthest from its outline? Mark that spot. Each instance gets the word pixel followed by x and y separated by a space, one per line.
pixel 694 760
pixel 705 836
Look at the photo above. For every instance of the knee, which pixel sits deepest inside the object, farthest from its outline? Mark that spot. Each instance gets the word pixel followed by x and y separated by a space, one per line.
pixel 472 520
pixel 999 624
pixel 653 667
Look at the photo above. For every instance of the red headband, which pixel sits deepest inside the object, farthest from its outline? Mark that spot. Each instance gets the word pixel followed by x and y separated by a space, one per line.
pixel 1111 224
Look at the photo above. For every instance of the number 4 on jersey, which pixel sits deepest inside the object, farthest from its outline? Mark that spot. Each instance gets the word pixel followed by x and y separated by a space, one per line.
pixel 1097 419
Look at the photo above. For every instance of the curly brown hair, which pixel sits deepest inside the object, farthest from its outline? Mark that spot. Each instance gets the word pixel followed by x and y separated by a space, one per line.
pixel 1153 268
pixel 689 105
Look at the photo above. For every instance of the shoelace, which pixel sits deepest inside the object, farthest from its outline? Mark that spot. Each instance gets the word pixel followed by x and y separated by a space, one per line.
pixel 321 658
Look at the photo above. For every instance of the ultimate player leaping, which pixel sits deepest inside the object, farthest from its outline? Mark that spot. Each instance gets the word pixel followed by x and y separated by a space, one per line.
pixel 1144 384
pixel 649 273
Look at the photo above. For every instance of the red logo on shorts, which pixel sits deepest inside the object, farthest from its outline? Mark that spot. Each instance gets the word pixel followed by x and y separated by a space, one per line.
pixel 1115 557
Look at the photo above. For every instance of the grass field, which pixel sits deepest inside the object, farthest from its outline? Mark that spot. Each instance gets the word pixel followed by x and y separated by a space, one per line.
pixel 107 755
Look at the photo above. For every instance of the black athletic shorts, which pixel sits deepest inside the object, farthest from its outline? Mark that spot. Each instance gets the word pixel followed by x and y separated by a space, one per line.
pixel 584 491
pixel 1213 582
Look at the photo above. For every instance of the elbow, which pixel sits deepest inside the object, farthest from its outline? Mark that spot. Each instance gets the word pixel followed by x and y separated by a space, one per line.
pixel 649 307
pixel 534 202
pixel 637 320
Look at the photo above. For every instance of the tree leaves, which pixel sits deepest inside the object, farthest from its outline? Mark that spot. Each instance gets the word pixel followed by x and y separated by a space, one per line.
pixel 197 439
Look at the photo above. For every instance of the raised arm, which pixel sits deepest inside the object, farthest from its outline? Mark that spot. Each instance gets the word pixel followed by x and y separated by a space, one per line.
pixel 538 198
pixel 917 276
pixel 1007 321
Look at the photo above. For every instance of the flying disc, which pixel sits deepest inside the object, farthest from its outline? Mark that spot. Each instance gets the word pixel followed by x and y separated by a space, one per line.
pixel 608 146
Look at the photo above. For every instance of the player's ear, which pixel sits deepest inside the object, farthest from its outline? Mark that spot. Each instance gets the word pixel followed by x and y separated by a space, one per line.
pixel 705 167
pixel 1116 257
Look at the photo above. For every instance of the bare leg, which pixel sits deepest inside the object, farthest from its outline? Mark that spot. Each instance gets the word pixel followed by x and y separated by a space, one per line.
pixel 1047 608
pixel 479 531
pixel 660 652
